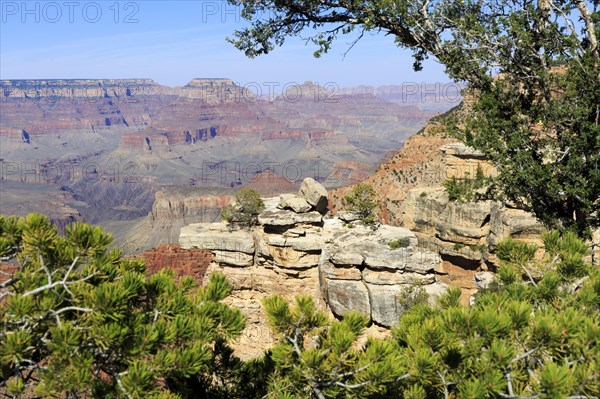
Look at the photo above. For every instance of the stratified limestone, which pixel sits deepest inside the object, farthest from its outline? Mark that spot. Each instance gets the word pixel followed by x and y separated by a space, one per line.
pixel 343 267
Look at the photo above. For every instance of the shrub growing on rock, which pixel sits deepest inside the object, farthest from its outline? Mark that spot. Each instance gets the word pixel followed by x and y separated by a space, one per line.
pixel 245 210
pixel 362 201
pixel 399 243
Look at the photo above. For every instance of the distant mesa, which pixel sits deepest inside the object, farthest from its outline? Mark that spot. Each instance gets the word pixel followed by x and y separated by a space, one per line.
pixel 204 82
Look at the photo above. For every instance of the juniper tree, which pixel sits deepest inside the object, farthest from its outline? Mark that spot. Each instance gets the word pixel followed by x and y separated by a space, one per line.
pixel 539 122
pixel 245 209
pixel 79 320
pixel 362 201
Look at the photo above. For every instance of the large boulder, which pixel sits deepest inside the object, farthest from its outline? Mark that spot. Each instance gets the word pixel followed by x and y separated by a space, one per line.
pixel 293 202
pixel 314 193
pixel 385 309
pixel 346 295
pixel 511 222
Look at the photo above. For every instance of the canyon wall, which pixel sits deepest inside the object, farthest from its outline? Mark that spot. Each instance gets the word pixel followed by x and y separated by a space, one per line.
pixel 113 144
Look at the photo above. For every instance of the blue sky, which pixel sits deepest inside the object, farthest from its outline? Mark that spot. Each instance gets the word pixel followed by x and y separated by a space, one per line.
pixel 175 41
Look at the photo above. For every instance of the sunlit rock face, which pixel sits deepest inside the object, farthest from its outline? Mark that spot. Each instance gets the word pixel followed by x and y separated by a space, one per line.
pixel 342 266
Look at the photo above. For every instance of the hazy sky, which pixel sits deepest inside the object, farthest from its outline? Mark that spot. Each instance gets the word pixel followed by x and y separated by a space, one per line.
pixel 175 41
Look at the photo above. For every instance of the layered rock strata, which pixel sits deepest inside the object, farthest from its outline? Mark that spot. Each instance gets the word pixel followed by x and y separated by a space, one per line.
pixel 296 250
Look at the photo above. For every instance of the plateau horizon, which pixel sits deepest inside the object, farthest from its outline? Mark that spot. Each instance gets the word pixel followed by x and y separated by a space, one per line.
pixel 126 90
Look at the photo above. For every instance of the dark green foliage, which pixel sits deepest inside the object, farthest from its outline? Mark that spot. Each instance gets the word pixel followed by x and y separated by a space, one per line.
pixel 517 251
pixel 362 201
pixel 319 358
pixel 77 319
pixel 569 252
pixel 245 210
pixel 552 170
pixel 399 243
pixel 467 189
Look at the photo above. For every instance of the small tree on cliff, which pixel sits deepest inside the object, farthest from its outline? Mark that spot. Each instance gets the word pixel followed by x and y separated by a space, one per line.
pixel 78 320
pixel 362 201
pixel 245 210
pixel 539 123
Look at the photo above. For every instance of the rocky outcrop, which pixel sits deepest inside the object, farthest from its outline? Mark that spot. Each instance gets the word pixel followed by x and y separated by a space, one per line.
pixel 360 271
pixel 411 194
pixel 343 266
pixel 464 233
pixel 452 226
pixel 172 209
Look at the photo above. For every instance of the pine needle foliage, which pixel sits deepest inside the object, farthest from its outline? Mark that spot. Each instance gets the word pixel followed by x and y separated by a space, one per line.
pixel 522 338
pixel 79 320
pixel 322 359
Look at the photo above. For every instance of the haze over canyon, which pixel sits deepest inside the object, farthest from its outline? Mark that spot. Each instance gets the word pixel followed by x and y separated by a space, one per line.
pixel 135 156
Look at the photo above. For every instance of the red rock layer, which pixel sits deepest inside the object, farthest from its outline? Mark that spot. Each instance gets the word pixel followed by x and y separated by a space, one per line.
pixel 184 262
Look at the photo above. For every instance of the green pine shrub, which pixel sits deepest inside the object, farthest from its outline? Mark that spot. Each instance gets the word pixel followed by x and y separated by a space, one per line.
pixel 79 320
pixel 399 243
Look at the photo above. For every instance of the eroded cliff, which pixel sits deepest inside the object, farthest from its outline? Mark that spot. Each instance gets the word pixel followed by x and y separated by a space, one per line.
pixel 296 250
